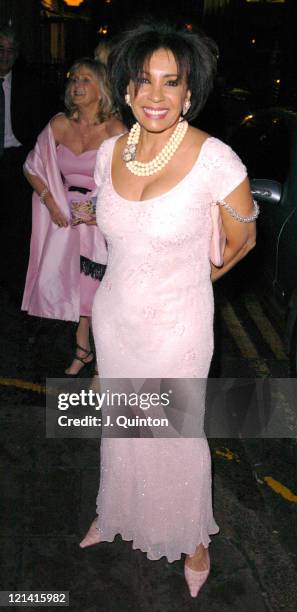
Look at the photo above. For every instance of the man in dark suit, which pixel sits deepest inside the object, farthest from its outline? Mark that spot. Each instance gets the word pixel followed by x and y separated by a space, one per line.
pixel 20 123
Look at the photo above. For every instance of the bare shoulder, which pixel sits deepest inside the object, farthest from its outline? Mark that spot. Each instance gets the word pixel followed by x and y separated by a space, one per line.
pixel 197 137
pixel 192 145
pixel 115 127
pixel 59 124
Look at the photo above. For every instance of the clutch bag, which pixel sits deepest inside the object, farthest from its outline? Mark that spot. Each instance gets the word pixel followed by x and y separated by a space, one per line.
pixel 83 212
pixel 218 238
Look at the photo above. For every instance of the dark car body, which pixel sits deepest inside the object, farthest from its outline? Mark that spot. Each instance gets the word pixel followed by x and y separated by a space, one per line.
pixel 267 143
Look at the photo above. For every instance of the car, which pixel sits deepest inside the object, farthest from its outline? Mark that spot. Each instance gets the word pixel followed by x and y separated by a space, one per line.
pixel 266 141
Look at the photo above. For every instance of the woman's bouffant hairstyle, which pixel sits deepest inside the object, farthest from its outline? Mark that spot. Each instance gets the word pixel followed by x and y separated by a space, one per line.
pixel 195 54
pixel 105 105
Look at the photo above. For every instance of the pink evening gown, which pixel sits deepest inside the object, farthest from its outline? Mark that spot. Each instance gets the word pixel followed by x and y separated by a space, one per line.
pixel 77 171
pixel 152 318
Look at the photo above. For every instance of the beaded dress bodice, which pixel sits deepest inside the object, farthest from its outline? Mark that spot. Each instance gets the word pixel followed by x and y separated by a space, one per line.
pixel 158 274
pixel 153 318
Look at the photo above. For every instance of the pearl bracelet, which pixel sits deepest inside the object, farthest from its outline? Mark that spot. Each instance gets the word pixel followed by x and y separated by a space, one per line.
pixel 42 195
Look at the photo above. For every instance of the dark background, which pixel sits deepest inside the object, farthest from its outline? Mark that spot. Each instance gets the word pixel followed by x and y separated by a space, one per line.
pixel 49 486
pixel 257 41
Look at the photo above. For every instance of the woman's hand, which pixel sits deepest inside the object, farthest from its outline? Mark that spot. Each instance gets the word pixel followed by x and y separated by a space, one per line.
pixel 55 212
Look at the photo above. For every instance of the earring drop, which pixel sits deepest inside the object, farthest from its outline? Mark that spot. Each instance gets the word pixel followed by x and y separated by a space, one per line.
pixel 186 106
pixel 128 99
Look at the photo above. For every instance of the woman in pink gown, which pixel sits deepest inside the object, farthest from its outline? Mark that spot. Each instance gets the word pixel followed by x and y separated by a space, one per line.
pixel 66 259
pixel 153 312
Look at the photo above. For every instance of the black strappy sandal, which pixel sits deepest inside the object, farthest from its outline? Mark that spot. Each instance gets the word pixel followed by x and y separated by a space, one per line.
pixel 82 359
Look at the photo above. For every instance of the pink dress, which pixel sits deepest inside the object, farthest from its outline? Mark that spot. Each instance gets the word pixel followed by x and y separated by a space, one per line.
pixel 52 286
pixel 153 317
pixel 77 171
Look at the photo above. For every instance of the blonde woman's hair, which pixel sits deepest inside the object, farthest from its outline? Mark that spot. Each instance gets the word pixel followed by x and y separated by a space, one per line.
pixel 102 51
pixel 105 104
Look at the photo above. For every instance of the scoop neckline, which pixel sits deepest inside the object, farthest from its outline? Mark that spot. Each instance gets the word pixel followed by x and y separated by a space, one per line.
pixel 162 195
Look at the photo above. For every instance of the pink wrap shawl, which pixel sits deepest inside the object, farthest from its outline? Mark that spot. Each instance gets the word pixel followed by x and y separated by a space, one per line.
pixel 52 283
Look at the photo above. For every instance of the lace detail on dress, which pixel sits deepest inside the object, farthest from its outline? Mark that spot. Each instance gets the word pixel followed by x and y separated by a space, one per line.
pixel 91 268
pixel 216 154
pixel 222 167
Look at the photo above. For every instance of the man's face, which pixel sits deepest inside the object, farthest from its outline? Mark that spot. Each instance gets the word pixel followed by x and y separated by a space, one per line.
pixel 8 55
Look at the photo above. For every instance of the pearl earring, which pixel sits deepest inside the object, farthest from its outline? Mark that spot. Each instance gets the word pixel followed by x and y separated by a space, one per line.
pixel 128 99
pixel 186 106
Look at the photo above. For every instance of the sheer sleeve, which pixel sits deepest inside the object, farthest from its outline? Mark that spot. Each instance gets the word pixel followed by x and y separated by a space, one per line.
pixel 226 170
pixel 101 161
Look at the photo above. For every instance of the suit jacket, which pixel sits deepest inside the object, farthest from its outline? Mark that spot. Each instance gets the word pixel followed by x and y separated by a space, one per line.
pixel 26 105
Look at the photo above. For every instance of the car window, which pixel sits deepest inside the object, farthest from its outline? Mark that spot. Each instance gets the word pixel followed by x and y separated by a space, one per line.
pixel 264 146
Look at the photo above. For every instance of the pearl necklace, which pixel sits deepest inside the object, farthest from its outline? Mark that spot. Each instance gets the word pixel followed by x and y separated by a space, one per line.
pixel 155 165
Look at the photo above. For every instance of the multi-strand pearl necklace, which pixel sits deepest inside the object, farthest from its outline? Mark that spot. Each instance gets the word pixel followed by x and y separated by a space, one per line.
pixel 155 165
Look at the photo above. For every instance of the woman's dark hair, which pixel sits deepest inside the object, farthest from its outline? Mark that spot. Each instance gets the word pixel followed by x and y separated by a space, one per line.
pixel 195 54
pixel 105 104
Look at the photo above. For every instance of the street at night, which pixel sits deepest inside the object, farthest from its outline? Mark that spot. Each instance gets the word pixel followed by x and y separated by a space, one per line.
pixel 49 486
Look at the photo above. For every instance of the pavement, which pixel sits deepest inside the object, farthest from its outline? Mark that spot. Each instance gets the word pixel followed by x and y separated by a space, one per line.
pixel 48 496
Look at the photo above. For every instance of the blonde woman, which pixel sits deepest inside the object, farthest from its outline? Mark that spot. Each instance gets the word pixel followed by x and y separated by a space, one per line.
pixel 67 250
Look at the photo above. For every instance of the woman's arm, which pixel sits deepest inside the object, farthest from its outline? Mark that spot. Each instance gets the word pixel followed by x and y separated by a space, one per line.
pixel 241 237
pixel 39 187
pixel 57 125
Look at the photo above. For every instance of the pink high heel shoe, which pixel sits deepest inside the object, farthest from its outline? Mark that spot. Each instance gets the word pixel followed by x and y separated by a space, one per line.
pixel 195 580
pixel 92 536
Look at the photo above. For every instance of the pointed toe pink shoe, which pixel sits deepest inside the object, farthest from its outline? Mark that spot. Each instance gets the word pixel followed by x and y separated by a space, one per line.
pixel 195 580
pixel 92 536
